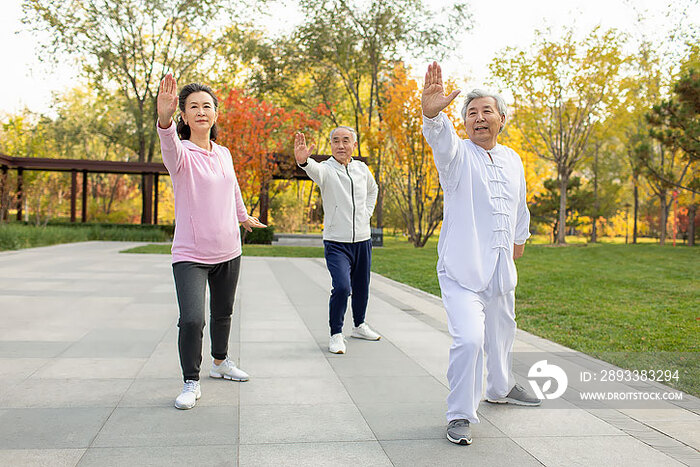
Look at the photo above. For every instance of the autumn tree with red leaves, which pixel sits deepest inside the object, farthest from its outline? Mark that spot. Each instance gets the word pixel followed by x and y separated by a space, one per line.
pixel 255 131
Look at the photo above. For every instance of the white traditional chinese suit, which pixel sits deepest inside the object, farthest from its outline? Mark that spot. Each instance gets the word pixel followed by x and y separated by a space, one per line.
pixel 485 213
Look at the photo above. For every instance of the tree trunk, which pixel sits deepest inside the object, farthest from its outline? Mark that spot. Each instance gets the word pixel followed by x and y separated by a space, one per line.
pixel 594 228
pixel 663 217
pixel 691 222
pixel 147 211
pixel 379 210
pixel 264 201
pixel 141 135
pixel 561 233
pixel 20 193
pixel 636 207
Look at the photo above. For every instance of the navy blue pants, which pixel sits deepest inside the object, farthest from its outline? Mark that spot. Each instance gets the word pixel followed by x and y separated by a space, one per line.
pixel 349 265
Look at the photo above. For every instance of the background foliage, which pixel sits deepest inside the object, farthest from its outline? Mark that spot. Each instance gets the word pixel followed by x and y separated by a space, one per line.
pixel 606 123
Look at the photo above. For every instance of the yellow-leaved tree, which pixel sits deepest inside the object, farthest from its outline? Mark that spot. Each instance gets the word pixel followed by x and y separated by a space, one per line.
pixel 561 88
pixel 411 180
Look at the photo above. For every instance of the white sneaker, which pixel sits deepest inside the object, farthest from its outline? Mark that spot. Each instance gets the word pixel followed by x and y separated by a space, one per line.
pixel 228 370
pixel 337 343
pixel 189 395
pixel 365 332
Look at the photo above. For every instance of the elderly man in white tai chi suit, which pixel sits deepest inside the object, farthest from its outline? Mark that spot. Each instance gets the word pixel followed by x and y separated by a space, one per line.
pixel 485 226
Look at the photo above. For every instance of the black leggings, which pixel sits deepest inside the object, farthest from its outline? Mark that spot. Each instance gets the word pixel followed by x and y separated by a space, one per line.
pixel 190 283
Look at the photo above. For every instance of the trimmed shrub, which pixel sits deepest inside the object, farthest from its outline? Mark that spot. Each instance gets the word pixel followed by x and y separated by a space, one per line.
pixel 169 229
pixel 258 236
pixel 14 236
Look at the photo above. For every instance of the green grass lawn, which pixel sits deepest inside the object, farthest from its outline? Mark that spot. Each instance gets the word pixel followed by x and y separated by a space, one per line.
pixel 636 306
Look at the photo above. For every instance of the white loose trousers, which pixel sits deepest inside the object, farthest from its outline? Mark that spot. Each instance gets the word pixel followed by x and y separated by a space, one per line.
pixel 478 322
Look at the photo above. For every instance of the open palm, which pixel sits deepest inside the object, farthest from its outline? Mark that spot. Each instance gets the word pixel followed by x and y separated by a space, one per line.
pixel 167 100
pixel 301 152
pixel 433 99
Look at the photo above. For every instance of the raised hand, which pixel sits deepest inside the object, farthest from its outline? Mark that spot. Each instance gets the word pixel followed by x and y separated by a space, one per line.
pixel 167 100
pixel 301 152
pixel 433 99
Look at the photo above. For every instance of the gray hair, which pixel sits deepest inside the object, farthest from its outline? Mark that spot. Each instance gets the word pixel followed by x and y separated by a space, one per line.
pixel 476 93
pixel 350 129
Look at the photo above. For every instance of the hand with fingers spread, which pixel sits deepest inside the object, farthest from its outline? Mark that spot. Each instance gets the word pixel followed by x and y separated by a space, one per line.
pixel 433 99
pixel 301 152
pixel 167 100
pixel 251 222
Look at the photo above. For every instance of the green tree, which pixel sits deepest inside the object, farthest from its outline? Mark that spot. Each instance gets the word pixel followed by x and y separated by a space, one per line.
pixel 25 134
pixel 649 72
pixel 675 123
pixel 545 206
pixel 69 134
pixel 127 46
pixel 603 169
pixel 641 87
pixel 412 181
pixel 669 159
pixel 346 51
pixel 561 88
pixel 664 169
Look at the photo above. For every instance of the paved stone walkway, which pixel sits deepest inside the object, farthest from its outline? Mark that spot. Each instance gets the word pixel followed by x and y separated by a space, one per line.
pixel 89 372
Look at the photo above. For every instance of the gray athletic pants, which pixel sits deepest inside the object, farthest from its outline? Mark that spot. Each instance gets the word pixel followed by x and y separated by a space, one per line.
pixel 190 283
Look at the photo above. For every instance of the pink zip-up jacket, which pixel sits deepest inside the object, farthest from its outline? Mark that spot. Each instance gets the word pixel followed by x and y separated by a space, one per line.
pixel 208 201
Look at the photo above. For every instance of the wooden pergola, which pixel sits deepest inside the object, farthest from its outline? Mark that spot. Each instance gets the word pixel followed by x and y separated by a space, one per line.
pixel 149 172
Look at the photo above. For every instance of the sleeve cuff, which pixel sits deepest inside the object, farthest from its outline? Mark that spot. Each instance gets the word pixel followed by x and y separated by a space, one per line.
pixel 170 129
pixel 433 126
pixel 435 121
pixel 522 241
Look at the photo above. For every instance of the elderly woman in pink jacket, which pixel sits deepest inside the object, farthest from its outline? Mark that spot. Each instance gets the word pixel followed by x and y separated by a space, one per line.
pixel 207 244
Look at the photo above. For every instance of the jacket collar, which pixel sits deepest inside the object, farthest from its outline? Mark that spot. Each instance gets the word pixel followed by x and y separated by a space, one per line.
pixel 337 164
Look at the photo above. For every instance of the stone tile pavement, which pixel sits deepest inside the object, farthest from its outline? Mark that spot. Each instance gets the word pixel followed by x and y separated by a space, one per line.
pixel 89 371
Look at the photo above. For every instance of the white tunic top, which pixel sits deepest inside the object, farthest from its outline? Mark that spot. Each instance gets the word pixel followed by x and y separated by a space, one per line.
pixel 485 210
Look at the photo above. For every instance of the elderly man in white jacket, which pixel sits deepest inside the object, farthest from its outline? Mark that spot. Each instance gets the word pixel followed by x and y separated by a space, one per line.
pixel 485 226
pixel 349 194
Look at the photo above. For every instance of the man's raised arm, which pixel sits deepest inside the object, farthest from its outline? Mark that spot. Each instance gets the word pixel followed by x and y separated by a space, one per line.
pixel 438 129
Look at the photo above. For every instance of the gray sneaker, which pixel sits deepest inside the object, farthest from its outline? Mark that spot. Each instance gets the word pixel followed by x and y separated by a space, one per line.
pixel 517 396
pixel 458 431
